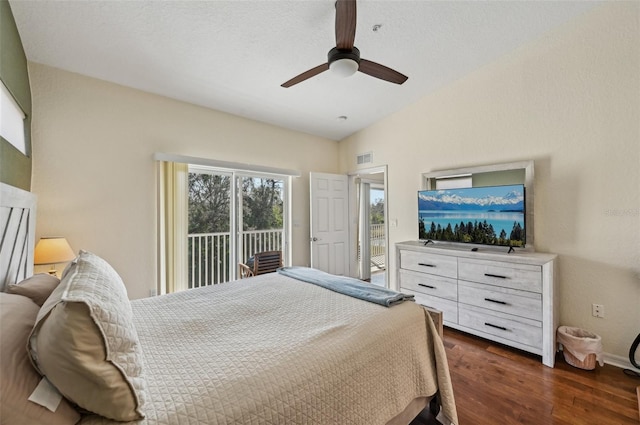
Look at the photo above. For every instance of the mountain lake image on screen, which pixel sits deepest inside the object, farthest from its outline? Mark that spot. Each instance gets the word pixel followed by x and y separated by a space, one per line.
pixel 492 215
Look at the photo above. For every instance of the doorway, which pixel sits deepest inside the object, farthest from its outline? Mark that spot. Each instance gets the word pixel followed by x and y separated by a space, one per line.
pixel 369 235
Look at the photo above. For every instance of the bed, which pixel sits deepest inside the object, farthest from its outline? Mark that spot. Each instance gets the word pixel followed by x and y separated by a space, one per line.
pixel 269 349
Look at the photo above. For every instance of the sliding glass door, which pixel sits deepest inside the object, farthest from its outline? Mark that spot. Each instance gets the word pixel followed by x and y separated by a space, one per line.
pixel 232 215
pixel 209 237
pixel 262 226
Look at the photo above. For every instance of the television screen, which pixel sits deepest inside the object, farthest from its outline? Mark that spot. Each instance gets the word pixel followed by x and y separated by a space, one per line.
pixel 493 215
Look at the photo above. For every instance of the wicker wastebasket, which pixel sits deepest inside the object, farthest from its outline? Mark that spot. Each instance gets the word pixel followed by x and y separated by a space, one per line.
pixel 580 348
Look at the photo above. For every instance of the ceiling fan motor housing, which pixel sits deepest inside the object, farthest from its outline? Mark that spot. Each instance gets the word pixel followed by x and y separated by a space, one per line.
pixel 337 54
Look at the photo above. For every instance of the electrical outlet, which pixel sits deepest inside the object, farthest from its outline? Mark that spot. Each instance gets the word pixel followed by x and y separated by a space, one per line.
pixel 597 310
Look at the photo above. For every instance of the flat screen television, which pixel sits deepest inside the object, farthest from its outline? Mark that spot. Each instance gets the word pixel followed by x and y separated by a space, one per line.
pixel 492 215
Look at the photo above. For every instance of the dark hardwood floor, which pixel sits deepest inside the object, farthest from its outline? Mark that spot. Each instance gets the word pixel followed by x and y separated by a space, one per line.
pixel 498 385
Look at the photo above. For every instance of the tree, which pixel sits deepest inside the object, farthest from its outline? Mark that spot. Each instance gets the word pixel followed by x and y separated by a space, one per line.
pixel 208 203
pixel 262 204
pixel 377 212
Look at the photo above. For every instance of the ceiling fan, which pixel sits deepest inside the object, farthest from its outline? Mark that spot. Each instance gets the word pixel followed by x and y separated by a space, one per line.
pixel 344 59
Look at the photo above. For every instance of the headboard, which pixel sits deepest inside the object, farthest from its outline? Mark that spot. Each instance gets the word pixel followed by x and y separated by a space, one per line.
pixel 17 234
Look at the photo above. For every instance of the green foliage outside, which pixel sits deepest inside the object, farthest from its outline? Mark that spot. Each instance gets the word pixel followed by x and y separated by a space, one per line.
pixel 377 211
pixel 209 203
pixel 262 204
pixel 209 212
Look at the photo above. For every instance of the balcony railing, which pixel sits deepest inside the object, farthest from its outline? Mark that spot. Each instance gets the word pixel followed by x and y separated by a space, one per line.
pixel 209 253
pixel 378 248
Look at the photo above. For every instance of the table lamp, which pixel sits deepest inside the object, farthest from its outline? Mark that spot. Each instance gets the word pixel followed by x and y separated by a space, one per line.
pixel 53 250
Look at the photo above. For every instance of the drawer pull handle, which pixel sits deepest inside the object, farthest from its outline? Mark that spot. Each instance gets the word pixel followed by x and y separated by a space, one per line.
pixel 495 275
pixel 426 286
pixel 495 301
pixel 426 265
pixel 495 326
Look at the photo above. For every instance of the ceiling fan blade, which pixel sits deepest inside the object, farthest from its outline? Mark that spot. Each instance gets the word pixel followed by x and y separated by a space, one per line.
pixel 382 72
pixel 306 75
pixel 345 23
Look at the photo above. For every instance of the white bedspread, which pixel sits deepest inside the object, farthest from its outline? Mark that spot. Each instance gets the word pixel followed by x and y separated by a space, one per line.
pixel 274 350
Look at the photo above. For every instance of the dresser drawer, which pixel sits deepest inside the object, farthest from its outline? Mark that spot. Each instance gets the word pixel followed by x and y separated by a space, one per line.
pixel 518 329
pixel 438 286
pixel 440 265
pixel 448 308
pixel 506 300
pixel 509 275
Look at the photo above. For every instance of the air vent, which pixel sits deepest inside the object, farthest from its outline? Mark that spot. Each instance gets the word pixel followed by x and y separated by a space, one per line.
pixel 364 158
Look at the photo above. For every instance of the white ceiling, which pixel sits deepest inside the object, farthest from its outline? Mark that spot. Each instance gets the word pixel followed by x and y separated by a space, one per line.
pixel 233 55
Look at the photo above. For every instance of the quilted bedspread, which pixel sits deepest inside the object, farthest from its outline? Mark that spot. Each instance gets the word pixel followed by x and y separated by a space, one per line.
pixel 274 350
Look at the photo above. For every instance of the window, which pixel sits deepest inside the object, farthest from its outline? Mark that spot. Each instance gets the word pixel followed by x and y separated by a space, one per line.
pixel 11 120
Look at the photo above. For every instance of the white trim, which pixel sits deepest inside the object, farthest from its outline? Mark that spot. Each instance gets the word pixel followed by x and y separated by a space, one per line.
pixel 618 361
pixel 227 165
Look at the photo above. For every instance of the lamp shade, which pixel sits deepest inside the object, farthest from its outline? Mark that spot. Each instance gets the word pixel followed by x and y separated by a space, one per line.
pixel 53 250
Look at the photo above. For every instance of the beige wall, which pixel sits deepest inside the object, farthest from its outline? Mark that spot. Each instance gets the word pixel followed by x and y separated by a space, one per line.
pixel 94 174
pixel 571 102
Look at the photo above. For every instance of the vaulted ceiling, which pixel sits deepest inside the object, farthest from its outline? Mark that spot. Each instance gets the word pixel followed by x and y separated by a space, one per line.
pixel 233 56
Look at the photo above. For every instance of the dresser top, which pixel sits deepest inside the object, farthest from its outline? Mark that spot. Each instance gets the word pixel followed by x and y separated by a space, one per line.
pixel 482 253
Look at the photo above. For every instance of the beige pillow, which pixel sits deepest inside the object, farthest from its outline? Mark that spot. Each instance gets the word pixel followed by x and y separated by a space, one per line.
pixel 85 343
pixel 18 378
pixel 38 287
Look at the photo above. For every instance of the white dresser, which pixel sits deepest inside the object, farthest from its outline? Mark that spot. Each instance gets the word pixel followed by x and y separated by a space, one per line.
pixel 507 298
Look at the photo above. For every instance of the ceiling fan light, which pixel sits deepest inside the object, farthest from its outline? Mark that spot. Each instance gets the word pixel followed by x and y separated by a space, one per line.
pixel 344 67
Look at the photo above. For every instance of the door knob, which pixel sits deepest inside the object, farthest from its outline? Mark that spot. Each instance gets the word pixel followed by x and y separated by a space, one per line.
pixel 314 239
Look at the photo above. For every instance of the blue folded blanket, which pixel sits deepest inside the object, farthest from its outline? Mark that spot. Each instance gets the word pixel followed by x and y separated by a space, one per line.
pixel 347 286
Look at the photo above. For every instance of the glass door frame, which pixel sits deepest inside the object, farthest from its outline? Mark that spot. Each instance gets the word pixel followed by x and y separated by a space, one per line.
pixel 238 217
pixel 236 211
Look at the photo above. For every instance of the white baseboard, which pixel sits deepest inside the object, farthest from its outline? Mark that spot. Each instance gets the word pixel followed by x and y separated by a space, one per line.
pixel 618 361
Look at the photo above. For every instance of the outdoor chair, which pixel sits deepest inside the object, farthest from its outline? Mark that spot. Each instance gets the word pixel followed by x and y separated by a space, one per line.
pixel 261 263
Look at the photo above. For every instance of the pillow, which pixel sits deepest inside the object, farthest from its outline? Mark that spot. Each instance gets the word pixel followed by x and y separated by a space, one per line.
pixel 18 378
pixel 85 343
pixel 38 287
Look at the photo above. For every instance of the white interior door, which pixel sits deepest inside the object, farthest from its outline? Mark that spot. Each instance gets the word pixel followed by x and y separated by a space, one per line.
pixel 329 223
